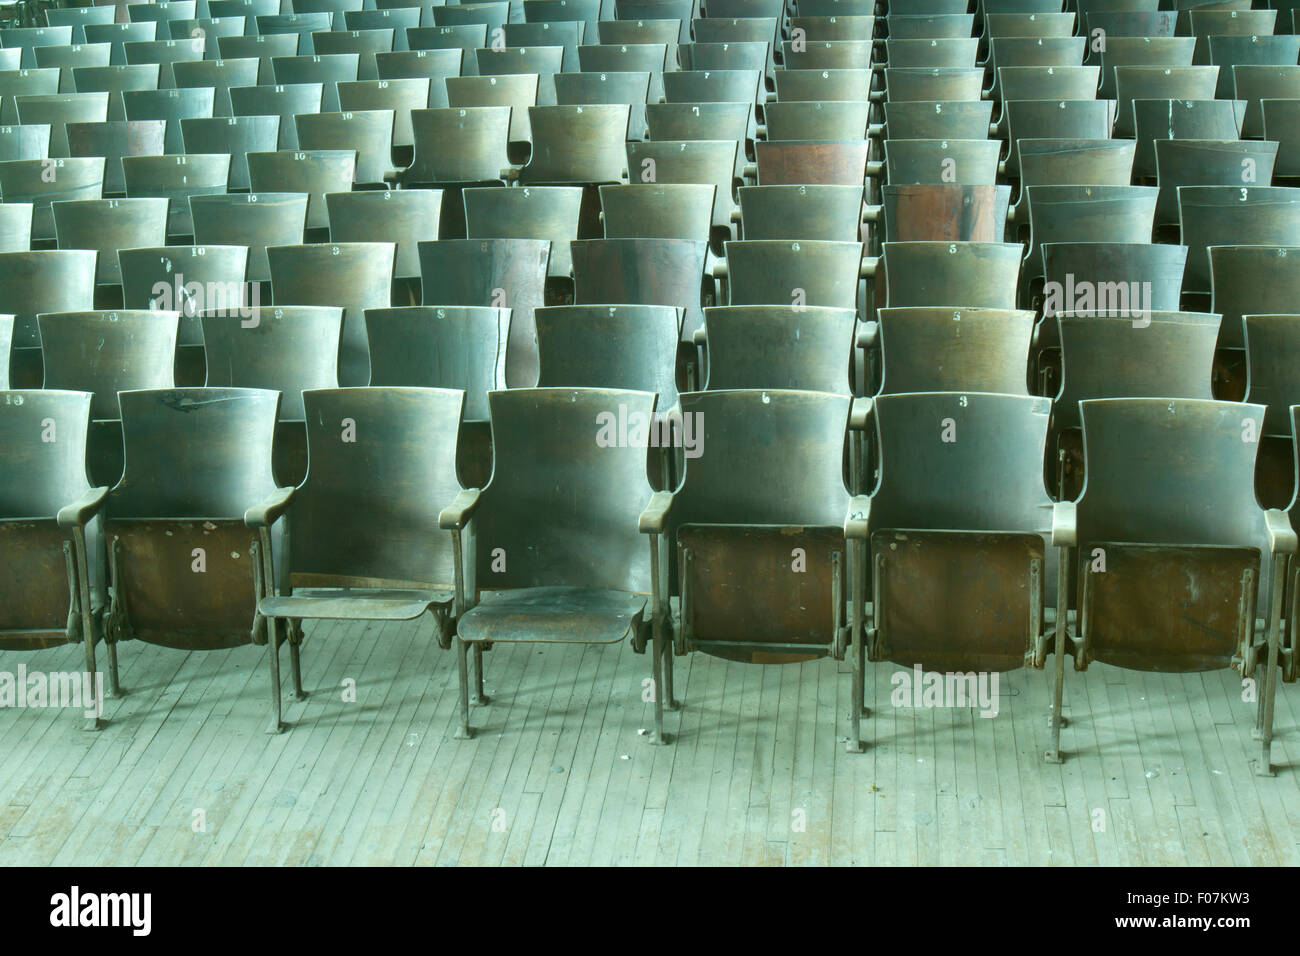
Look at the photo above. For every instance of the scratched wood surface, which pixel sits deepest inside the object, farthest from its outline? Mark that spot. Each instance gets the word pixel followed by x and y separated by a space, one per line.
pixel 560 773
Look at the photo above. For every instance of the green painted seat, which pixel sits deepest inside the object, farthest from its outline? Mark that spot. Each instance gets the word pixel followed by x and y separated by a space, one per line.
pixel 1078 162
pixel 752 548
pixel 1252 84
pixel 288 349
pixel 462 347
pixel 542 61
pixel 462 37
pixel 792 273
pixel 58 110
pixel 189 280
pixel 529 212
pixel 637 58
pixel 825 86
pixel 402 96
pixel 48 280
pixel 52 591
pixel 436 66
pixel 26 142
pixel 710 162
pixel 556 556
pixel 1021 51
pixel 235 135
pixel 172 106
pixel 354 555
pixel 657 211
pixel 115 80
pixel 406 217
pixel 176 178
pixel 15 227
pixel 301 26
pixel 367 44
pixel 165 52
pixel 956 274
pixel 105 353
pixel 1087 214
pixel 355 275
pixel 939 83
pixel 577 145
pixel 562 33
pixel 1134 83
pixel 934 26
pixel 459 146
pixel 117 35
pixel 818 120
pixel 1233 216
pixel 328 69
pixel 1101 276
pixel 1053 119
pixel 67 58
pixel 968 162
pixel 627 88
pixel 1114 354
pixel 255 220
pixel 106 225
pixel 285 100
pixel 185 570
pixel 832 213
pixel 262 47
pixel 1157 52
pixel 642 272
pixel 1179 568
pixel 366 133
pixel 116 140
pixel 937 119
pixel 313 172
pixel 960 582
pixel 507 274
pixel 1208 163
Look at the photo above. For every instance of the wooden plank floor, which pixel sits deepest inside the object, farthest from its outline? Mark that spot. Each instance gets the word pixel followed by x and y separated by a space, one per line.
pixel 1157 769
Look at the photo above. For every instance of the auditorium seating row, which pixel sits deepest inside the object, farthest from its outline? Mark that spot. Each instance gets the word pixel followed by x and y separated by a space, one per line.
pixel 940 334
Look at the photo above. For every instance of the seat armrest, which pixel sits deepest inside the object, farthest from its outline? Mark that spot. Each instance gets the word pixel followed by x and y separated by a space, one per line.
pixel 83 509
pixel 860 413
pixel 655 515
pixel 1281 536
pixel 699 336
pixel 868 334
pixel 265 514
pixel 1065 531
pixel 457 514
pixel 855 522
